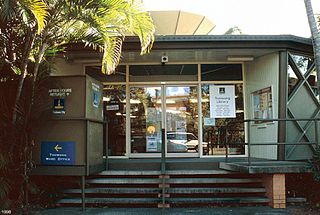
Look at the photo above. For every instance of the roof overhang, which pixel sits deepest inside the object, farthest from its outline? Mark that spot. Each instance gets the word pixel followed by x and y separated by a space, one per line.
pixel 202 48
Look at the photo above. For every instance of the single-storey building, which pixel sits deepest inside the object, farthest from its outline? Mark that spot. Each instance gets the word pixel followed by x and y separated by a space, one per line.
pixel 202 119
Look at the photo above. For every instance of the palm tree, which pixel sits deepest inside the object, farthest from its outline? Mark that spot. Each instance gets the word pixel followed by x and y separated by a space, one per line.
pixel 315 38
pixel 102 24
pixel 33 30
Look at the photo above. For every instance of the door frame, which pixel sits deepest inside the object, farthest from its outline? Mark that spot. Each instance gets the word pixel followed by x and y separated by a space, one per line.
pixel 163 87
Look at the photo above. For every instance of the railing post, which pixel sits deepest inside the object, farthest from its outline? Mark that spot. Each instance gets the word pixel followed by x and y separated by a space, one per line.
pixel 83 198
pixel 163 152
pixel 226 145
pixel 163 166
pixel 248 139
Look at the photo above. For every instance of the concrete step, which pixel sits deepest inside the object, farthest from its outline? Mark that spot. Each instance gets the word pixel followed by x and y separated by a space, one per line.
pixel 124 181
pixel 216 190
pixel 236 200
pixel 212 180
pixel 110 201
pixel 128 172
pixel 115 190
pixel 183 190
pixel 192 180
pixel 168 172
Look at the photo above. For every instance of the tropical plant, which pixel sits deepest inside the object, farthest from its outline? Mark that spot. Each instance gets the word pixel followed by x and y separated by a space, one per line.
pixel 314 164
pixel 31 32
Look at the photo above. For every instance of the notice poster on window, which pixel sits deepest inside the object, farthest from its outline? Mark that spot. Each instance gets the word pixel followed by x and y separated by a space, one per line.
pixel 222 101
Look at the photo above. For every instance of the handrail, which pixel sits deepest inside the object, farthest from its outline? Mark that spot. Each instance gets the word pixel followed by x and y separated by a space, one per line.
pixel 249 143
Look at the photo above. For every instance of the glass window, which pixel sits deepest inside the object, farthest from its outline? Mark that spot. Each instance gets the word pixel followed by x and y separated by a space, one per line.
pixel 181 72
pixel 118 76
pixel 219 131
pixel 114 100
pixel 221 72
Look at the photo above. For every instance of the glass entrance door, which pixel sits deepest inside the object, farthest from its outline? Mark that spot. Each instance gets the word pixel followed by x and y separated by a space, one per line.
pixel 176 107
pixel 181 120
pixel 145 119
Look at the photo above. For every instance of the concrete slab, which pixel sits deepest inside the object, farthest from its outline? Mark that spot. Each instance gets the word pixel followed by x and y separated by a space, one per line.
pixel 265 167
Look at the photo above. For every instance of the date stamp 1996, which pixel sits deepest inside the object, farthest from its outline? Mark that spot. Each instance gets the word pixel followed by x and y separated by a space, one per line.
pixel 5 211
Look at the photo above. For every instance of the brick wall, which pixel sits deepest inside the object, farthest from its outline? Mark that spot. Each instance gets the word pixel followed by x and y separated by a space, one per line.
pixel 276 189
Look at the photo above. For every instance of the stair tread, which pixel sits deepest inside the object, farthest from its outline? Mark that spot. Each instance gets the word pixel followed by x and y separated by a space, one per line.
pixel 212 180
pixel 129 172
pixel 170 190
pixel 217 190
pixel 220 199
pixel 115 190
pixel 124 181
pixel 109 200
pixel 168 172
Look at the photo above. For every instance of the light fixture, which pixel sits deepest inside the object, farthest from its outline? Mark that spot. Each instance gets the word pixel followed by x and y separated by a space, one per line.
pixel 106 99
pixel 240 58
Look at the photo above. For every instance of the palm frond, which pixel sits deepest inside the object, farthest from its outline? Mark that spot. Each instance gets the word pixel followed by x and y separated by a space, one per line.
pixel 8 9
pixel 39 9
pixel 111 55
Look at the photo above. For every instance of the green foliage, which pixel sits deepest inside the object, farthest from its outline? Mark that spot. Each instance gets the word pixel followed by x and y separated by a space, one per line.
pixel 31 32
pixel 314 164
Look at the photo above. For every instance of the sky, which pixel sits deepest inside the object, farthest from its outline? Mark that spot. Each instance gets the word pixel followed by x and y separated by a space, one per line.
pixel 271 17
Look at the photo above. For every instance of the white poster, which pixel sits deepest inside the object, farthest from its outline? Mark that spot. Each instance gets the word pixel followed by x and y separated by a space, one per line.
pixel 222 101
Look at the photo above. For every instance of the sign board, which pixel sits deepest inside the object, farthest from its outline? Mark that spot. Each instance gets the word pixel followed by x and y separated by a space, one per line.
pixel 57 153
pixel 152 144
pixel 222 101
pixel 59 106
pixel 96 95
pixel 209 121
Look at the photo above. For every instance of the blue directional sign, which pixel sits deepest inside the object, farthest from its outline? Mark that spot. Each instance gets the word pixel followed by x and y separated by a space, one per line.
pixel 57 153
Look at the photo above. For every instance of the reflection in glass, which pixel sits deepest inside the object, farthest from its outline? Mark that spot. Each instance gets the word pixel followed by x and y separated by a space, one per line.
pixel 114 100
pixel 145 115
pixel 217 132
pixel 182 119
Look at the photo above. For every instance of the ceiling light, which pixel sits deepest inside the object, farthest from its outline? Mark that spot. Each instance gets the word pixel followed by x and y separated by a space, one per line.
pixel 240 58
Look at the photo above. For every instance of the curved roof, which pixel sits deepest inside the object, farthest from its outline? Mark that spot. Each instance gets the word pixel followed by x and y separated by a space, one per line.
pixel 181 23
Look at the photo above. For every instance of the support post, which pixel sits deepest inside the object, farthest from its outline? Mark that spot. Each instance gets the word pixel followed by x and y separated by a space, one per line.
pixel 282 103
pixel 248 139
pixel 83 198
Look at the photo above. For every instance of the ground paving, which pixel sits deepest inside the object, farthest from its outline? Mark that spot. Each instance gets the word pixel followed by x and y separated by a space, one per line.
pixel 292 210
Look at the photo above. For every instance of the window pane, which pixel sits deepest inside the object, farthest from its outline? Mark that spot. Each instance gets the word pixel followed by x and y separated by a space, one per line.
pixel 182 119
pixel 144 73
pixel 218 131
pixel 145 115
pixel 118 76
pixel 114 100
pixel 221 72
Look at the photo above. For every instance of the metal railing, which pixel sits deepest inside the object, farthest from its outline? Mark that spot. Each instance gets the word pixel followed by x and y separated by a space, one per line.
pixel 260 122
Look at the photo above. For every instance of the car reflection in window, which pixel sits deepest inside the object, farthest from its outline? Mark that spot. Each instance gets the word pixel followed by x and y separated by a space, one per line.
pixel 187 139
